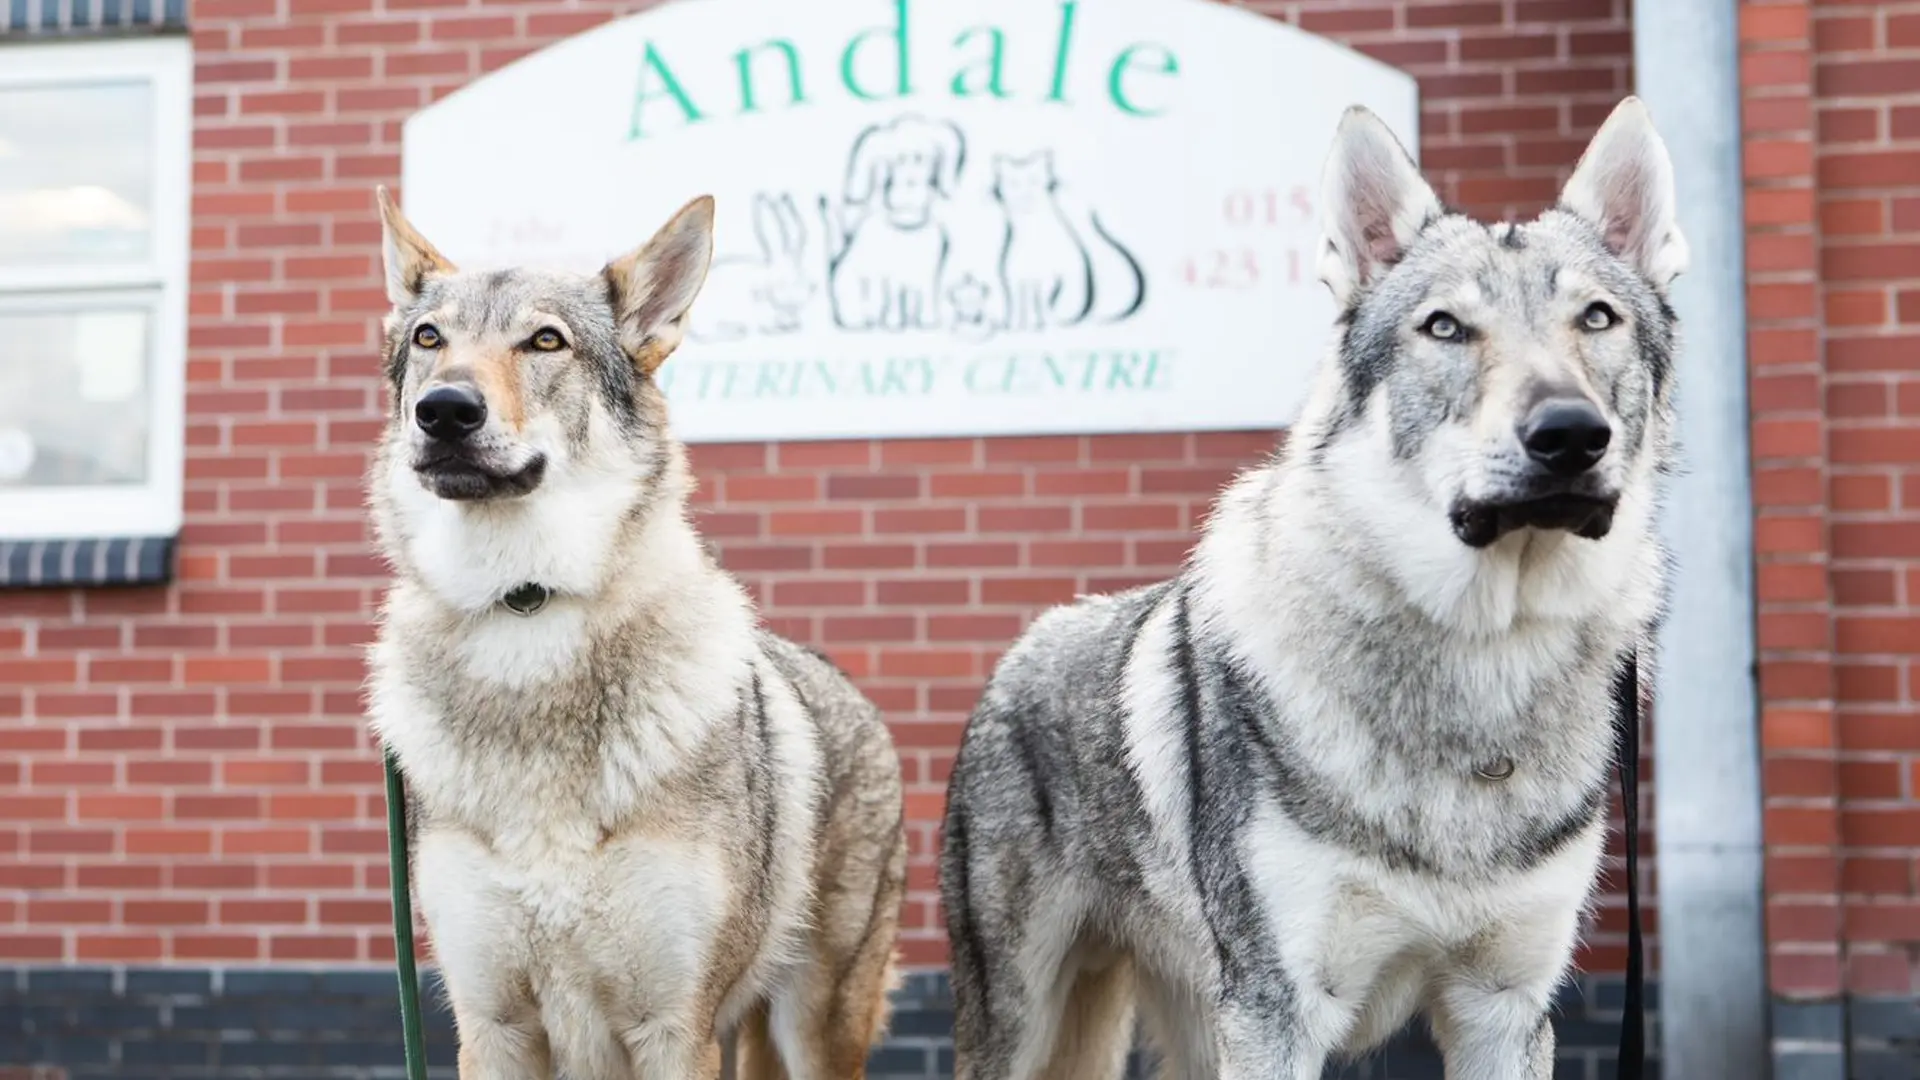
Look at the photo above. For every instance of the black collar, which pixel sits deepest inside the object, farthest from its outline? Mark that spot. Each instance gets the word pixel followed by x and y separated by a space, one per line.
pixel 527 599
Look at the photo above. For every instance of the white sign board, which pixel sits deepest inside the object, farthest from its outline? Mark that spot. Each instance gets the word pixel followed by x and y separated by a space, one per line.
pixel 935 217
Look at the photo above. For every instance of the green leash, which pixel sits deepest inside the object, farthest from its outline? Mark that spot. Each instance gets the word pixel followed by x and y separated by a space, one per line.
pixel 403 922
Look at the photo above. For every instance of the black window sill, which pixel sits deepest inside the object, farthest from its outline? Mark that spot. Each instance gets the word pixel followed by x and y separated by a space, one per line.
pixel 100 561
pixel 78 18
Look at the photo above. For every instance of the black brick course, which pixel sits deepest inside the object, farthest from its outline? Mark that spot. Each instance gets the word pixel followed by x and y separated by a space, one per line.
pixel 277 1024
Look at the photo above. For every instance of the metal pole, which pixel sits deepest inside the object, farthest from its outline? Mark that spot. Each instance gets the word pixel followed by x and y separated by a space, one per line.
pixel 1707 794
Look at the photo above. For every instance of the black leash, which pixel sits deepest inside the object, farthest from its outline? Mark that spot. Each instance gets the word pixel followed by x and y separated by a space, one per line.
pixel 1633 1024
pixel 413 1045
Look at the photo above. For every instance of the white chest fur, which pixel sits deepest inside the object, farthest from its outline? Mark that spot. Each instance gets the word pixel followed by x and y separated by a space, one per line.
pixel 1366 944
pixel 572 927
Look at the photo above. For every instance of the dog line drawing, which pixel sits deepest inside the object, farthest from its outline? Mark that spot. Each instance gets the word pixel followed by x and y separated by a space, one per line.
pixel 889 246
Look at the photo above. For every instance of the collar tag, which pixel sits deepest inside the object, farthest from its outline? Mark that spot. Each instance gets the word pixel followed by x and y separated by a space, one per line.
pixel 1496 770
pixel 527 599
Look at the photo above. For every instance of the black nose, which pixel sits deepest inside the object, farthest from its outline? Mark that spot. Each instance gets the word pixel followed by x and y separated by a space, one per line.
pixel 450 412
pixel 1567 435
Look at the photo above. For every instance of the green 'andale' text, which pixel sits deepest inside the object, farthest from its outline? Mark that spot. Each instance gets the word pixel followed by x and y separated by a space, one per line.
pixel 876 64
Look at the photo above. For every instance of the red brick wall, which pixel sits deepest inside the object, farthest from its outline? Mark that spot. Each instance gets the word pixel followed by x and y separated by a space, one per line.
pixel 1833 163
pixel 1790 493
pixel 183 772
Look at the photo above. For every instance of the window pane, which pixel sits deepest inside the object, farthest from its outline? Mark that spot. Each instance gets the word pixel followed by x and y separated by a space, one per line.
pixel 76 173
pixel 73 398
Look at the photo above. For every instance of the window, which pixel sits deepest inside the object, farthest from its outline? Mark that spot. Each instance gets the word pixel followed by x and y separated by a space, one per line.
pixel 95 167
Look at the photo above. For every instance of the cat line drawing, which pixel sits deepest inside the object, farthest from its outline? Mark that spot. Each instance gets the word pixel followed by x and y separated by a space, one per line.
pixel 1046 264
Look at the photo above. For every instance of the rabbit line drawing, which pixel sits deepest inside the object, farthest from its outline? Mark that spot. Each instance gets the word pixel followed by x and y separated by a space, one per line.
pixel 766 293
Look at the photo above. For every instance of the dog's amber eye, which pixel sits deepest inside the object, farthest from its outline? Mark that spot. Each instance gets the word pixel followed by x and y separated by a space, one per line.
pixel 426 337
pixel 1599 317
pixel 1443 327
pixel 547 339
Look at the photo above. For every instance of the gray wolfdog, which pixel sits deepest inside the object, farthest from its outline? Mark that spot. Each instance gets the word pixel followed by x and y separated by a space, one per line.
pixel 642 820
pixel 1350 766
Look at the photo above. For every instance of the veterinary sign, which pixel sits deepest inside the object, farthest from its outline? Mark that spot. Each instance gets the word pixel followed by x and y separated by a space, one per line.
pixel 935 217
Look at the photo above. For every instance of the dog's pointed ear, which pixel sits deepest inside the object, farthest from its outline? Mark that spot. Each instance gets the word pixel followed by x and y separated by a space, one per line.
pixel 1373 204
pixel 653 286
pixel 1623 186
pixel 409 258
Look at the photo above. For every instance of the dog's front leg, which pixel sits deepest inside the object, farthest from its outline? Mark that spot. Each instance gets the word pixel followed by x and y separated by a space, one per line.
pixel 1493 1033
pixel 1490 1013
pixel 1260 1036
pixel 485 964
pixel 663 1051
pixel 490 1050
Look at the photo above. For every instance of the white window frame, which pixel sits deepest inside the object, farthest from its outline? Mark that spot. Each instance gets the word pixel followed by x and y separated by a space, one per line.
pixel 152 508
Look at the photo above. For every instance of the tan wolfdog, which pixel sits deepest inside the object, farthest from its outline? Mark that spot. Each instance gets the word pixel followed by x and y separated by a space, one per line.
pixel 642 821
